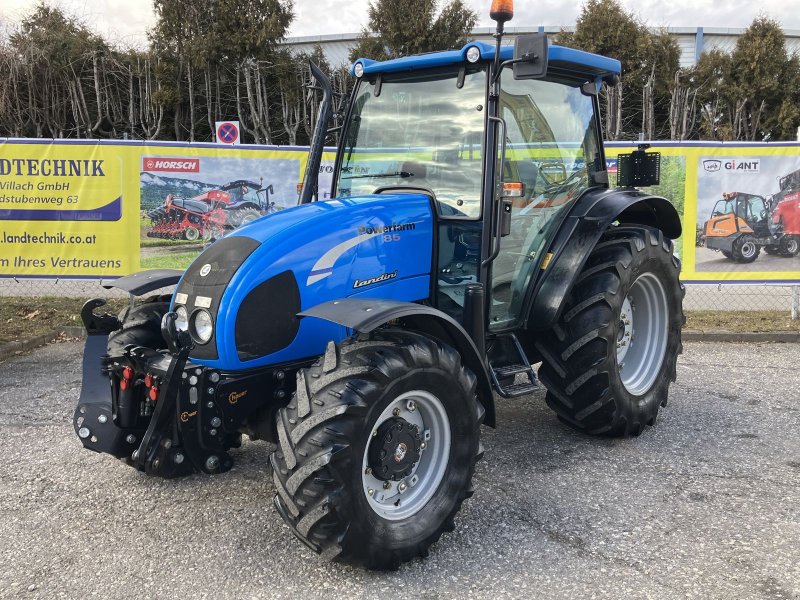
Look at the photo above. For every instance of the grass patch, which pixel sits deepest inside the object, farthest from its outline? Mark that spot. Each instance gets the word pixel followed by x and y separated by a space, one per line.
pixel 741 321
pixel 158 242
pixel 173 260
pixel 25 318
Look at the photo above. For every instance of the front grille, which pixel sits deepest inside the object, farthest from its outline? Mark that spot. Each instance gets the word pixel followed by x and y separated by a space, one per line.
pixel 267 320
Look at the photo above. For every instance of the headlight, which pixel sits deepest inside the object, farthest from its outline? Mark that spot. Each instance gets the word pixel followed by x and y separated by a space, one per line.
pixel 473 54
pixel 203 325
pixel 182 322
pixel 358 70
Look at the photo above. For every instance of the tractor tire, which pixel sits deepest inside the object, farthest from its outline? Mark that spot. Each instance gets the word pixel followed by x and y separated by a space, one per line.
pixel 191 234
pixel 789 246
pixel 243 216
pixel 140 326
pixel 745 249
pixel 345 486
pixel 607 368
pixel 772 250
pixel 212 233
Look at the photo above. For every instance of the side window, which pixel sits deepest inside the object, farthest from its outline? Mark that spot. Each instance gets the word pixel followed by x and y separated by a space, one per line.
pixel 552 150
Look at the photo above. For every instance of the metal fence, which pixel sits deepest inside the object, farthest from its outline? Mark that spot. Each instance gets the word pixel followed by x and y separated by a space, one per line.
pixel 699 297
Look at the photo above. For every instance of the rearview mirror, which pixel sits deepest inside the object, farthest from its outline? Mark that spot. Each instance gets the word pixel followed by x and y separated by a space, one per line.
pixel 530 56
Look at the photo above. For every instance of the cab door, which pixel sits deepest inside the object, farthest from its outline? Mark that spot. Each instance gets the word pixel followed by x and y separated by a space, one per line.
pixel 552 154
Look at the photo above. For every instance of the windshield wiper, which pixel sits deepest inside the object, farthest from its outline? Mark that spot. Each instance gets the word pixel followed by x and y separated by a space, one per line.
pixel 403 174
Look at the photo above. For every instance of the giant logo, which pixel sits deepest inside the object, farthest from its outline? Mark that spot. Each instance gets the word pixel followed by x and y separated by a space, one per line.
pixel 732 165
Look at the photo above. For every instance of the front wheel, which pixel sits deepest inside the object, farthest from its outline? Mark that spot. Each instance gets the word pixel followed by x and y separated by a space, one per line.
pixel 745 249
pixel 608 362
pixel 377 448
pixel 789 246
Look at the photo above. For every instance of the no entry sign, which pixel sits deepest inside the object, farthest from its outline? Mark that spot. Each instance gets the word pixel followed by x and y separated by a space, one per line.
pixel 228 133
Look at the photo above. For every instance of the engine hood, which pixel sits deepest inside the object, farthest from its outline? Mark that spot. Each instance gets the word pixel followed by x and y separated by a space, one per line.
pixel 255 281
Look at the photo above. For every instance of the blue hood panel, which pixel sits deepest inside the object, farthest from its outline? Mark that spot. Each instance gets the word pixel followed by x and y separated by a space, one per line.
pixel 367 246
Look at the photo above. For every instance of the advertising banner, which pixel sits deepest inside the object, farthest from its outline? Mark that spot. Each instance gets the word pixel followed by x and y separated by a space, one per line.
pixel 739 205
pixel 87 209
pixel 64 210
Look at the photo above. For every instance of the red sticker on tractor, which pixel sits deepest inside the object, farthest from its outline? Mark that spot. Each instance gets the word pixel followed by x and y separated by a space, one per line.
pixel 172 164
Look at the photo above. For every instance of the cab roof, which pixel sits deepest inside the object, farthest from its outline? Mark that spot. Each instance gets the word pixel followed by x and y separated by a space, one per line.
pixel 561 61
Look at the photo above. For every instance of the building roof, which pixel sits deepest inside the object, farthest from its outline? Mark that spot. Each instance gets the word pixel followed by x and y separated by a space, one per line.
pixel 692 41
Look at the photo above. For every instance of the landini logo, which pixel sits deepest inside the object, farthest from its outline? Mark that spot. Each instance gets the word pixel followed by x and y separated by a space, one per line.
pixel 733 165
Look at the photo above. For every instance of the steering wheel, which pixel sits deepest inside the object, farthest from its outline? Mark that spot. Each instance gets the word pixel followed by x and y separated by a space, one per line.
pixel 555 188
pixel 448 210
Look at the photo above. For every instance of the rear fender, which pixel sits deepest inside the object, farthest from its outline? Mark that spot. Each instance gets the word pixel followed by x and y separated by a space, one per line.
pixel 364 315
pixel 580 231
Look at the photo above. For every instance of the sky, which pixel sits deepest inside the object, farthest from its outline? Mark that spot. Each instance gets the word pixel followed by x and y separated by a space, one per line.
pixel 127 21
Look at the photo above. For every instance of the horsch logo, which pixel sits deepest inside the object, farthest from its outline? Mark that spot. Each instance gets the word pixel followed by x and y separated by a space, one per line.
pixel 733 165
pixel 172 164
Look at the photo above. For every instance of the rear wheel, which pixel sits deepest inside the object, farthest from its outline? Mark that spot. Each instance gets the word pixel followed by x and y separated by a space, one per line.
pixel 191 234
pixel 789 246
pixel 377 449
pixel 243 216
pixel 745 249
pixel 608 362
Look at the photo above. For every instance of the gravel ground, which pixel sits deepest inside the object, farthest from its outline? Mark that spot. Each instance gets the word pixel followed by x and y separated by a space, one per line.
pixel 704 505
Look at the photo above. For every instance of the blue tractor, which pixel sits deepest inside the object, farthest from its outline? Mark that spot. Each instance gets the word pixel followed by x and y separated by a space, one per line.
pixel 472 233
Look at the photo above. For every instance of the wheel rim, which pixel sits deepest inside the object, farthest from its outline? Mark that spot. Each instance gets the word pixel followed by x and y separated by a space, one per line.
pixel 748 249
pixel 642 335
pixel 192 234
pixel 791 246
pixel 407 496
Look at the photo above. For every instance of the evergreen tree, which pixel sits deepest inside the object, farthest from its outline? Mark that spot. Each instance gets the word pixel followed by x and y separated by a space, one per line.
pixel 403 27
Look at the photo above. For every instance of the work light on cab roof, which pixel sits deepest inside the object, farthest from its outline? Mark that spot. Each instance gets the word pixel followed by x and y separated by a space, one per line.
pixel 502 11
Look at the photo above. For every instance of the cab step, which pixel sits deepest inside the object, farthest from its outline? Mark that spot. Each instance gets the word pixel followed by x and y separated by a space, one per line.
pixel 507 359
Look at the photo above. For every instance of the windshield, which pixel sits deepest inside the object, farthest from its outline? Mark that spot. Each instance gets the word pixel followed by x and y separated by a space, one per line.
pixel 421 130
pixel 724 207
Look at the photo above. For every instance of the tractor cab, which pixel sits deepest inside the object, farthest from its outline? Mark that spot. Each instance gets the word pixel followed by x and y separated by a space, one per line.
pixel 502 155
pixel 739 211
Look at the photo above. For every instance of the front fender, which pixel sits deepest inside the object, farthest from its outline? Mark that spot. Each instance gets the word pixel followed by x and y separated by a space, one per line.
pixel 366 314
pixel 577 236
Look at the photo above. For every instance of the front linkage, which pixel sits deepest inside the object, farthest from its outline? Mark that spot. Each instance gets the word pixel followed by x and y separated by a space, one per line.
pixel 166 416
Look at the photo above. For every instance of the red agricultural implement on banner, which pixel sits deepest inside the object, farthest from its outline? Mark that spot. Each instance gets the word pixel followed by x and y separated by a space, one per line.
pixel 211 214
